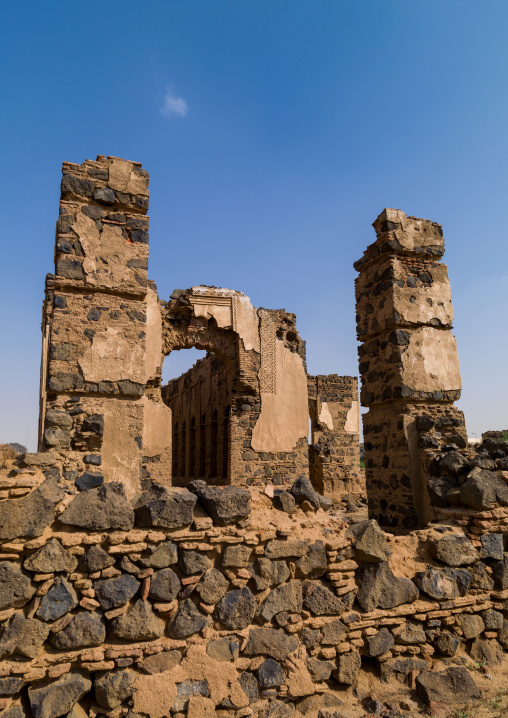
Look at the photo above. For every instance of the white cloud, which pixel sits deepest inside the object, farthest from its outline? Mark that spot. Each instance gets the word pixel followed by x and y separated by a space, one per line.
pixel 173 105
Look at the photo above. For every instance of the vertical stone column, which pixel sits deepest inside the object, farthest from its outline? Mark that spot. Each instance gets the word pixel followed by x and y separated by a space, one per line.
pixel 94 367
pixel 334 454
pixel 408 365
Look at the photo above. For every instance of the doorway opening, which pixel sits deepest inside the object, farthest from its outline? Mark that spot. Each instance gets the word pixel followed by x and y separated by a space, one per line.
pixel 200 403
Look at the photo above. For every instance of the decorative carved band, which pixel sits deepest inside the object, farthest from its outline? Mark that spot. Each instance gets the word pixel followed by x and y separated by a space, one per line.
pixel 218 297
pixel 268 369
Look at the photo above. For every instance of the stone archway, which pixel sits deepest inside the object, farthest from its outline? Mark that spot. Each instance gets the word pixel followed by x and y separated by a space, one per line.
pixel 216 403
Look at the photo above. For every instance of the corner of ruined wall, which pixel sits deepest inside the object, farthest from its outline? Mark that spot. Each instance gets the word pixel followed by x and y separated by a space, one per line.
pixel 102 328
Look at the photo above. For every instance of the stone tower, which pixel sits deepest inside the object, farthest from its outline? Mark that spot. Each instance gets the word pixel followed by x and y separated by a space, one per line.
pixel 409 366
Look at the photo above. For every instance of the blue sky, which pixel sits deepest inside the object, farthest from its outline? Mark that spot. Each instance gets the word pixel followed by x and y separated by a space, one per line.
pixel 275 131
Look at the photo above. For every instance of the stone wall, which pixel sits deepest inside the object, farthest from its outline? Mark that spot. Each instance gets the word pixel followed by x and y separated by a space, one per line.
pixel 105 336
pixel 408 365
pixel 95 327
pixel 121 595
pixel 189 602
pixel 334 453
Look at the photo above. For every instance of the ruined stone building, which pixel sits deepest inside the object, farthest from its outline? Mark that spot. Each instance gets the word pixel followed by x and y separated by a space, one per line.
pixel 239 416
pixel 165 554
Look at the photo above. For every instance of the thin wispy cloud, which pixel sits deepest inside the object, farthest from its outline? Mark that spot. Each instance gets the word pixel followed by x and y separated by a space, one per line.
pixel 173 105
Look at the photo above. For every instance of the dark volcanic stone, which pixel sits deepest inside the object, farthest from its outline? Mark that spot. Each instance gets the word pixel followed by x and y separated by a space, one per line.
pixel 249 686
pixel 186 690
pixel 400 668
pixel 96 559
pixel 447 644
pixel 411 634
pixel 446 583
pixel 493 620
pixel 287 597
pixel 348 665
pixel 187 621
pixel 77 185
pixel 455 550
pixel 51 700
pixel 487 651
pixel 270 674
pixel 160 662
pixel 213 586
pixel 89 480
pixel 115 592
pixel 483 461
pixel 193 562
pixel 236 556
pixel 273 642
pixel 438 490
pixel 370 542
pixel 29 515
pixel 24 636
pixel 223 649
pixel 85 629
pixel 320 601
pixel 333 633
pixel 164 585
pixel 236 610
pixel 314 564
pixel 500 572
pixel 99 509
pixel 225 505
pixel 15 587
pixel 492 546
pixel 454 685
pixel 277 548
pixel 311 638
pixel 111 689
pixel 167 508
pixel 381 589
pixel 139 624
pixel 51 558
pixel 319 670
pixel 60 599
pixel 471 624
pixel 164 555
pixel 482 489
pixel 106 196
pixel 380 643
pixel 10 686
pixel 453 463
pixel 71 269
pixel 284 501
pixel 302 490
pixel 94 423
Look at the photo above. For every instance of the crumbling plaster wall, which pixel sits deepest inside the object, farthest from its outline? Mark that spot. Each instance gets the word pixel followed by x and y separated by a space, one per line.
pixel 334 453
pixel 264 362
pixel 106 333
pixel 98 316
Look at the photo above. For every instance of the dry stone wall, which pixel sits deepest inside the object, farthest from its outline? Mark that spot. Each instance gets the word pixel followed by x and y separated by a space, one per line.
pixel 227 601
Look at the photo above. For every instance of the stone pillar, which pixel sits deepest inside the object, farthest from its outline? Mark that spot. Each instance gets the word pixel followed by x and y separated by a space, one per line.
pixel 94 368
pixel 334 452
pixel 408 365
